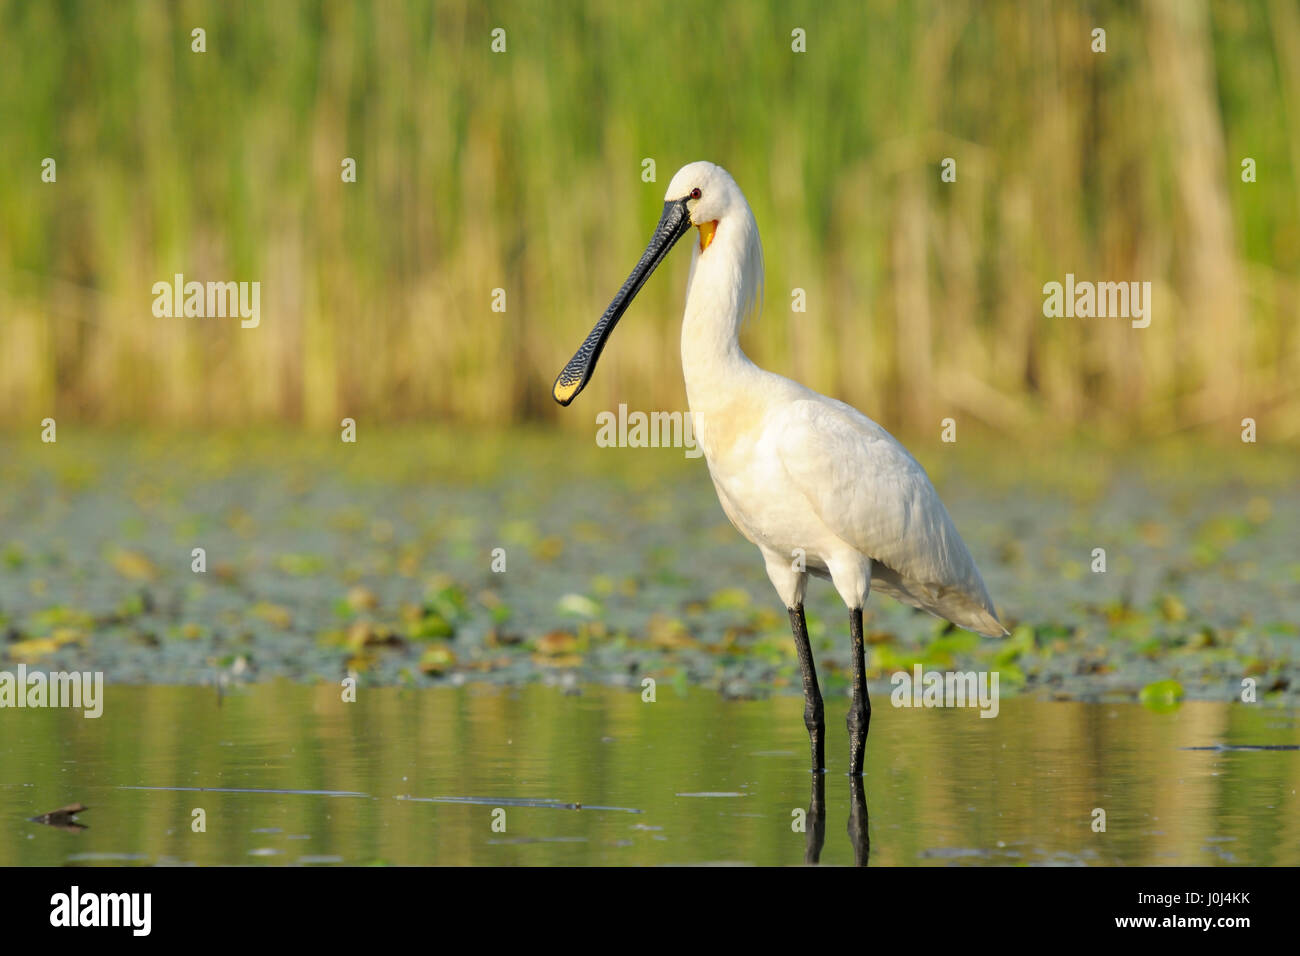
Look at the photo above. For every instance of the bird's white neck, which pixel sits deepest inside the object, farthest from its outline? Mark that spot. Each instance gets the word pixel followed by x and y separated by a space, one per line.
pixel 726 283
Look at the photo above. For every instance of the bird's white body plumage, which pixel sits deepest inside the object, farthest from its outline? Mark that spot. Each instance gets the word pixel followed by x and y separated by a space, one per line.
pixel 810 480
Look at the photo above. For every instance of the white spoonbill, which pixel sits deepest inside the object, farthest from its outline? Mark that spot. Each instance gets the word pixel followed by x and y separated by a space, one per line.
pixel 815 484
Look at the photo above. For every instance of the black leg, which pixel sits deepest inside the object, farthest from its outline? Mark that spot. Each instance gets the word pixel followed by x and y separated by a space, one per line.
pixel 813 717
pixel 859 719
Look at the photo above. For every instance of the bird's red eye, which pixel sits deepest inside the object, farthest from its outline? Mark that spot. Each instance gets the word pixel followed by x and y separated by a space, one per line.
pixel 695 193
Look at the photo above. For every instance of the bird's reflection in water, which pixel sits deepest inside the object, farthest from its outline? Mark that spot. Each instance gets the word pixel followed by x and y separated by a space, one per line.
pixel 816 830
pixel 858 821
pixel 816 834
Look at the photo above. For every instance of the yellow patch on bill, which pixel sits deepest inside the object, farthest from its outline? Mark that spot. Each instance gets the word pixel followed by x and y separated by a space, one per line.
pixel 564 393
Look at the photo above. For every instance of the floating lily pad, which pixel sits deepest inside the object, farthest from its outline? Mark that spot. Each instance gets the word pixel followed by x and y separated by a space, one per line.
pixel 1162 695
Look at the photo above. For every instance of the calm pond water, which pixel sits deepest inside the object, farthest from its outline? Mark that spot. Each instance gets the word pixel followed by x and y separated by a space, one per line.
pixel 292 775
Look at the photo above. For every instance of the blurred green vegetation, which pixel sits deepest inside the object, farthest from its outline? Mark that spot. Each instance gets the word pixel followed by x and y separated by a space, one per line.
pixel 522 171
pixel 381 558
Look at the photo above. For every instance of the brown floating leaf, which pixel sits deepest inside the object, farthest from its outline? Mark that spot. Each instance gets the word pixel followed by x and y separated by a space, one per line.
pixel 549 548
pixel 361 598
pixel 273 614
pixel 368 634
pixel 134 565
pixel 557 643
pixel 557 660
pixel 669 634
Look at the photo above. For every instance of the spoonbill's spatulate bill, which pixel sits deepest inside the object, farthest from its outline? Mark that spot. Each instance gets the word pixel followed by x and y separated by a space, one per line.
pixel 820 488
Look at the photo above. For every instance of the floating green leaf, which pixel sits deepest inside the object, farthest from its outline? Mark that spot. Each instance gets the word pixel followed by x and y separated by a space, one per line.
pixel 1163 695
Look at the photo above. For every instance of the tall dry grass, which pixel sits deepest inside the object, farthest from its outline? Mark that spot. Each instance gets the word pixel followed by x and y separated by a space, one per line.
pixel 522 170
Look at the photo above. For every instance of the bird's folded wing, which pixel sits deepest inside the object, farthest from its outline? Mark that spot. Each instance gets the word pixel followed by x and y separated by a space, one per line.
pixel 872 494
